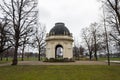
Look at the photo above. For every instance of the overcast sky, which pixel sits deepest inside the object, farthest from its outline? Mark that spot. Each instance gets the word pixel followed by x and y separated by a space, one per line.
pixel 76 14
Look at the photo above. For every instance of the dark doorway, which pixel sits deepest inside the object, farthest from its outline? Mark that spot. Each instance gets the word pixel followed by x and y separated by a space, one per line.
pixel 59 51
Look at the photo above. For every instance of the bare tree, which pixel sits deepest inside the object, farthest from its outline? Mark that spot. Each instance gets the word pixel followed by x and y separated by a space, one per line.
pixel 22 15
pixel 91 36
pixel 111 16
pixel 112 8
pixel 24 43
pixel 5 41
pixel 94 28
pixel 39 40
pixel 88 40
pixel 106 37
pixel 78 49
pixel 81 50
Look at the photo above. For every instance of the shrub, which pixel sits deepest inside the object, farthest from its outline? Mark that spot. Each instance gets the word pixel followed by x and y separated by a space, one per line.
pixel 59 60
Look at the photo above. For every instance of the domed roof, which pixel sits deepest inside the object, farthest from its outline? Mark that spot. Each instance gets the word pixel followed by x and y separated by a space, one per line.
pixel 59 29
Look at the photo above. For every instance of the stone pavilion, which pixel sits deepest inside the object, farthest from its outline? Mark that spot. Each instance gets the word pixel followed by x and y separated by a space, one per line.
pixel 59 42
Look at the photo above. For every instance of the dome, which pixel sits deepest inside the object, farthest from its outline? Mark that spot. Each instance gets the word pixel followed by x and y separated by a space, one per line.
pixel 59 29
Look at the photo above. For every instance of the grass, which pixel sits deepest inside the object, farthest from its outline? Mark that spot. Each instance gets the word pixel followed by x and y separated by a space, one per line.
pixel 101 59
pixel 70 72
pixel 19 59
pixel 2 62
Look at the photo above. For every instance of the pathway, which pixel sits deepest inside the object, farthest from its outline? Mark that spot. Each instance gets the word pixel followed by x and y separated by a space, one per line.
pixel 62 63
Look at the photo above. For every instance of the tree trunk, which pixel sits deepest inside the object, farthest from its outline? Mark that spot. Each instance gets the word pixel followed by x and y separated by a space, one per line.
pixel 106 39
pixel 1 58
pixel 39 55
pixel 22 59
pixel 15 60
pixel 78 57
pixel 90 55
pixel 96 58
pixel 7 57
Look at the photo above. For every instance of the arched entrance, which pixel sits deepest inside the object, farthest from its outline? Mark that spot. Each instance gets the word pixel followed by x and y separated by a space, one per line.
pixel 59 51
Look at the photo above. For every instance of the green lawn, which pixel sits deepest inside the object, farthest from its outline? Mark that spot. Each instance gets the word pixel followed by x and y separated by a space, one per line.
pixel 116 59
pixel 19 59
pixel 70 72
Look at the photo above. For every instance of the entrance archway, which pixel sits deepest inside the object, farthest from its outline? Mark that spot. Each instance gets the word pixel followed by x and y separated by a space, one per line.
pixel 59 51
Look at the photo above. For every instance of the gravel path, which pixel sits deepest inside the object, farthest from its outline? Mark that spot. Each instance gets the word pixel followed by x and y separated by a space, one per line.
pixel 60 63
